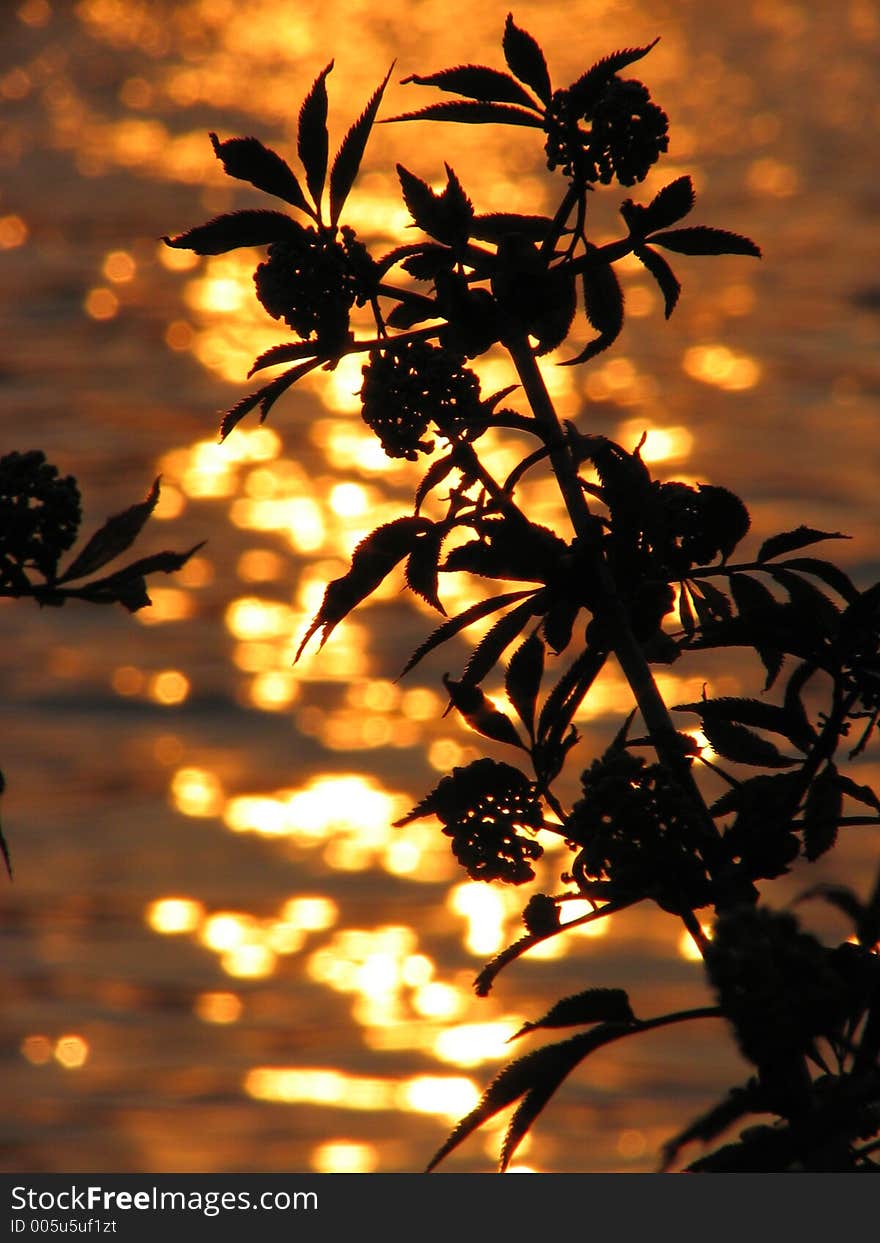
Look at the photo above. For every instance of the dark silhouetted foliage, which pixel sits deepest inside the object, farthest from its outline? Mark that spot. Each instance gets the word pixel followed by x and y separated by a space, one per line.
pixel 651 572
pixel 40 516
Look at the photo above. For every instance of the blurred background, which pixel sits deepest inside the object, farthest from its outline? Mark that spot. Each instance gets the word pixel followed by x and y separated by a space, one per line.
pixel 217 953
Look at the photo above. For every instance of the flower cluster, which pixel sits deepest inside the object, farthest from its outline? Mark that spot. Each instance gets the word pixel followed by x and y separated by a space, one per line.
pixel 631 827
pixel 627 133
pixel 407 388
pixel 40 515
pixel 311 281
pixel 698 524
pixel 481 808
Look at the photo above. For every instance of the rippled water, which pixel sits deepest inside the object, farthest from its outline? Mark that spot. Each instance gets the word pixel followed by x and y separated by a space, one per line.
pixel 217 953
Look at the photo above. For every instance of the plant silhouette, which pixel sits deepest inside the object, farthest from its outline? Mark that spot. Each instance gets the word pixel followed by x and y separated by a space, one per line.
pixel 649 573
pixel 40 516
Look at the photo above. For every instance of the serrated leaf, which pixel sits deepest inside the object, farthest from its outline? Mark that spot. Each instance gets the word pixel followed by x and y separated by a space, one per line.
pixel 248 159
pixel 751 596
pixel 446 217
pixel 526 59
pixel 669 284
pixel 598 75
pixel 702 239
pixel 117 534
pixel 536 1071
pixel 283 353
pixel 711 603
pixel 476 82
pixel 669 204
pixel 714 1121
pixel 496 641
pixel 237 229
pixel 471 112
pixel 829 573
pixel 434 476
pixel 264 397
pixel 351 152
pixel 569 1054
pixel 603 299
pixel 523 679
pixel 508 1085
pixel 594 1005
pixel 480 712
pixel 568 693
pixel 603 303
pixel 820 614
pixel 312 142
pixel 421 567
pixel 754 712
pixel 372 561
pixel 128 585
pixel 456 624
pixel 861 793
pixel 742 746
pixel 822 811
pixel 788 541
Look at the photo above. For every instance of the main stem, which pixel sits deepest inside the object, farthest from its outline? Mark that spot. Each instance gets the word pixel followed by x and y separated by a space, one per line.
pixel 626 648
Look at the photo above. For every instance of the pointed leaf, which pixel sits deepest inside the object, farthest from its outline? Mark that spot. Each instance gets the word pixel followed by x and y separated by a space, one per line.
pixel 788 541
pixel 669 205
pixel 248 160
pixel 820 614
pixel 421 567
pixel 595 1005
pixel 311 138
pixel 117 534
pixel 742 746
pixel 351 152
pixel 435 474
pixel 236 229
pixel 265 397
pixel 670 286
pixel 822 811
pixel 497 640
pixel 456 624
pixel 711 604
pixel 702 239
pixel 593 82
pixel 563 701
pixel 753 712
pixel 471 112
pixel 283 353
pixel 709 1125
pixel 603 303
pixel 446 217
pixel 523 679
pixel 751 596
pixel 829 573
pixel 525 59
pixel 508 1085
pixel 373 559
pixel 480 712
pixel 476 82
pixel 552 1073
pixel 861 793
